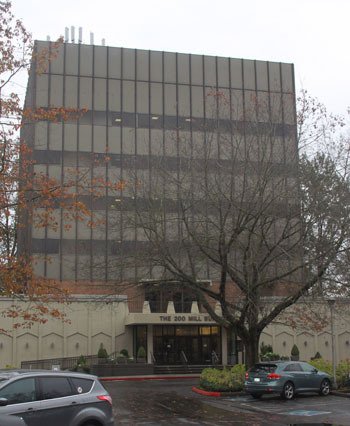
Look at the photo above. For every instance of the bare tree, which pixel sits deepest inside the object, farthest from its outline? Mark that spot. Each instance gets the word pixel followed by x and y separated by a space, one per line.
pixel 242 208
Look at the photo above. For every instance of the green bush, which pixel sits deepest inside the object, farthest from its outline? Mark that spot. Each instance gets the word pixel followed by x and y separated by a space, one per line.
pixel 238 373
pixel 295 350
pixel 81 360
pixel 270 356
pixel 264 349
pixel 141 353
pixel 322 365
pixel 226 380
pixel 102 352
pixel 125 353
pixel 317 356
pixel 342 372
pixel 81 365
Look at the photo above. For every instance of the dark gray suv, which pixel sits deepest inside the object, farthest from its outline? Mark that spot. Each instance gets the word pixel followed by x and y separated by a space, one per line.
pixel 55 398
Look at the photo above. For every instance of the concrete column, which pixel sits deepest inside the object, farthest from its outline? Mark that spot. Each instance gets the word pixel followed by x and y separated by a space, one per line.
pixel 149 343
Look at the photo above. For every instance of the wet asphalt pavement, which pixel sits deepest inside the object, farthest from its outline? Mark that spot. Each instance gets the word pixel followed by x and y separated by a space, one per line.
pixel 172 402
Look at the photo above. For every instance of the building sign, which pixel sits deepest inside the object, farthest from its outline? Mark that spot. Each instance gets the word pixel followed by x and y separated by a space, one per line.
pixel 163 318
pixel 185 318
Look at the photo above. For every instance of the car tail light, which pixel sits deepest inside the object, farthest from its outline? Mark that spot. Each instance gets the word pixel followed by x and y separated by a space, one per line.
pixel 105 398
pixel 247 375
pixel 273 376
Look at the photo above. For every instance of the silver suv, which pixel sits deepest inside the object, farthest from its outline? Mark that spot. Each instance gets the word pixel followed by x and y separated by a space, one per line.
pixel 55 398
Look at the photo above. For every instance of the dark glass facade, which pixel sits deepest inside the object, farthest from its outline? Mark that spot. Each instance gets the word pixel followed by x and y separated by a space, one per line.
pixel 140 104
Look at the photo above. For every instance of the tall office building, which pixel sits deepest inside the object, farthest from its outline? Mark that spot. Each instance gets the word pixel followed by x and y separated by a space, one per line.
pixel 139 105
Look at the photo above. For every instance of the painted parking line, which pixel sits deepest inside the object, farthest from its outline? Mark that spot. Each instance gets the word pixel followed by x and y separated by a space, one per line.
pixel 307 413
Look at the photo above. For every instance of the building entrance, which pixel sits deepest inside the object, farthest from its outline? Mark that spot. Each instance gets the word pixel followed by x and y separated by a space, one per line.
pixel 186 344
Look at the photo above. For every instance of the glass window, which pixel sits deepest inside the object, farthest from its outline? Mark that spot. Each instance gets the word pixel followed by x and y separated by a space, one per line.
pixel 71 58
pixel 114 62
pixel 307 368
pixel 170 100
pixel 100 61
pixel 223 72
pixel 142 64
pixel 156 98
pixel 274 76
pixel 236 73
pixel 85 60
pixel 114 95
pixel 129 63
pixel 71 92
pixel 170 67
pixel 249 74
pixel 184 100
pixel 156 66
pixel 55 387
pixel 56 63
pixel 287 78
pixel 85 92
pixel 210 71
pixel 42 84
pixel 128 96
pixel 293 367
pixel 197 69
pixel 19 391
pixel 56 97
pixel 261 75
pixel 183 68
pixel 82 385
pixel 100 94
pixel 142 101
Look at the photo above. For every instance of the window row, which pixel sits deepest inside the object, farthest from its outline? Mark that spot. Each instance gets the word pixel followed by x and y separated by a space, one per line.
pixel 158 98
pixel 170 67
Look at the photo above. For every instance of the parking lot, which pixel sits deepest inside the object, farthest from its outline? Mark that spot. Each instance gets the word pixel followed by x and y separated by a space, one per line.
pixel 172 402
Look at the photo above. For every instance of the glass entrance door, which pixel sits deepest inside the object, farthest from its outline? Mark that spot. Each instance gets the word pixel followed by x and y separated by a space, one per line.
pixel 186 344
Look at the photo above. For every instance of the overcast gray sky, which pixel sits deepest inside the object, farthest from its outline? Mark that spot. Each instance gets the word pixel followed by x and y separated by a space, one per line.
pixel 312 34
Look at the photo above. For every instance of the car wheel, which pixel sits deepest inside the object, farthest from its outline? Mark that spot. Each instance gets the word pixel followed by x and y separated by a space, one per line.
pixel 256 395
pixel 288 391
pixel 325 387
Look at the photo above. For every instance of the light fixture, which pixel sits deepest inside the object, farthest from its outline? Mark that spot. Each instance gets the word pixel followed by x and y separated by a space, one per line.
pixel 155 117
pixel 27 345
pixel 284 343
pixel 326 343
pixel 305 343
pixel 77 345
pixel 1 345
pixel 188 119
pixel 118 200
pixel 118 120
pixel 52 345
pixel 347 343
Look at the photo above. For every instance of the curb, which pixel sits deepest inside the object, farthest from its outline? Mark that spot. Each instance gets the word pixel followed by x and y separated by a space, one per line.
pixel 216 394
pixel 342 394
pixel 139 379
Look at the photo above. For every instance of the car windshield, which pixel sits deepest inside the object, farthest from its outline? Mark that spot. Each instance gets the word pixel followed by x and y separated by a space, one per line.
pixel 267 368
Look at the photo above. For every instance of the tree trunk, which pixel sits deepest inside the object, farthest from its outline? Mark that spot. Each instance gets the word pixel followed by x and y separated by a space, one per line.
pixel 251 346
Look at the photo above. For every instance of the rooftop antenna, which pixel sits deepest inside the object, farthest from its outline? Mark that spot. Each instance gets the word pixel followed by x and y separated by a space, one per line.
pixel 66 35
pixel 103 42
pixel 80 39
pixel 91 38
pixel 72 33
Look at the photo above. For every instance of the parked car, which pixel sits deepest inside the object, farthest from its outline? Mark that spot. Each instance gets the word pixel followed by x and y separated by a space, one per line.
pixel 286 378
pixel 55 398
pixel 8 420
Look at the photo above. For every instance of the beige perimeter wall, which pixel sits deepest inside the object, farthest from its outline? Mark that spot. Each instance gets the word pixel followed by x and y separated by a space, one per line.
pixel 93 321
